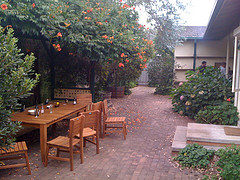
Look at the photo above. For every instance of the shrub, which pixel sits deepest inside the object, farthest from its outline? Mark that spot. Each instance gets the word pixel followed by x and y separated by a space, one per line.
pixel 224 114
pixel 229 162
pixel 160 73
pixel 200 91
pixel 195 156
pixel 15 83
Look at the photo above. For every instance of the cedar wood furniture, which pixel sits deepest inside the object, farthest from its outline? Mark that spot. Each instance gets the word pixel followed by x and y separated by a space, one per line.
pixel 69 93
pixel 98 106
pixel 85 99
pixel 45 120
pixel 91 128
pixel 66 144
pixel 113 121
pixel 18 151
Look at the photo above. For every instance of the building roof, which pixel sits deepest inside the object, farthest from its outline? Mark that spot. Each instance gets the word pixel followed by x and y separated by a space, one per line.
pixel 193 32
pixel 224 19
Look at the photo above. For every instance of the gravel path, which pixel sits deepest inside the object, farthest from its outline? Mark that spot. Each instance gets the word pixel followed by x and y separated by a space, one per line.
pixel 146 154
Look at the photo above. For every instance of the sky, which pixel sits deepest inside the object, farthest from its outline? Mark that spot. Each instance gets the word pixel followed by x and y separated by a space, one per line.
pixel 198 12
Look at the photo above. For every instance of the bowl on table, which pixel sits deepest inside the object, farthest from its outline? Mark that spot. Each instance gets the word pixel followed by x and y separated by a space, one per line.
pixel 31 111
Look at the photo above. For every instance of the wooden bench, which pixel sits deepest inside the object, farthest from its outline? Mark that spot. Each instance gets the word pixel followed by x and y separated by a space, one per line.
pixel 69 93
pixel 18 151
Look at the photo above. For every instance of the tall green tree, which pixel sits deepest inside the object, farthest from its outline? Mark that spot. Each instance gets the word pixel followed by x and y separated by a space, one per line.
pixel 107 33
pixel 16 81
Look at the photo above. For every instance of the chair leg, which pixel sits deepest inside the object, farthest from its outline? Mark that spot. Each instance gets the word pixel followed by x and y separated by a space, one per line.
pixel 27 163
pixel 81 151
pixel 46 158
pixel 57 152
pixel 124 130
pixel 71 159
pixel 104 128
pixel 97 143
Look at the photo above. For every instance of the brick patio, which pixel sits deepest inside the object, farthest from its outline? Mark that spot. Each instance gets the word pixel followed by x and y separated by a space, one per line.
pixel 146 153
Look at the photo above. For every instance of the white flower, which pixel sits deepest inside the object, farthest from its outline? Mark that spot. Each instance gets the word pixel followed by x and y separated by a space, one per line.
pixel 201 92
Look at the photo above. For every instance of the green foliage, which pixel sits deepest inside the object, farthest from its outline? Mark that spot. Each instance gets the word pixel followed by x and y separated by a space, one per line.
pixel 200 91
pixel 15 83
pixel 102 31
pixel 160 73
pixel 229 162
pixel 222 114
pixel 195 156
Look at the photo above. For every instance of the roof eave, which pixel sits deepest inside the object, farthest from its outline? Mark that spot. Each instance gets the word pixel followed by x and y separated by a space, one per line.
pixel 216 9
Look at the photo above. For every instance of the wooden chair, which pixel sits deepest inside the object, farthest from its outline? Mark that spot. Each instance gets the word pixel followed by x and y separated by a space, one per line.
pixel 66 144
pixel 98 106
pixel 19 148
pixel 85 99
pixel 91 128
pixel 120 121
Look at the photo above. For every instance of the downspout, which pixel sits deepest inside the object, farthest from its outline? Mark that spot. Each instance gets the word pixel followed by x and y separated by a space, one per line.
pixel 195 54
pixel 227 58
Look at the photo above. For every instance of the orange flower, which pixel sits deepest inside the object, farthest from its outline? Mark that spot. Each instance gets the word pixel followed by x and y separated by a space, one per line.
pixel 139 54
pixel 229 100
pixel 137 47
pixel 59 49
pixel 59 34
pixel 127 60
pixel 150 42
pixel 33 5
pixel 121 65
pixel 140 57
pixel 144 60
pixel 105 36
pixel 122 55
pixel 4 7
pixel 66 24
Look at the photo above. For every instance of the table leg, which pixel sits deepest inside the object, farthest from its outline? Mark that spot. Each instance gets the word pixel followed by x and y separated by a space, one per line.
pixel 43 141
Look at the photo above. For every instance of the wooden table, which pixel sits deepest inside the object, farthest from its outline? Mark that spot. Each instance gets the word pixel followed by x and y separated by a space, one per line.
pixel 43 121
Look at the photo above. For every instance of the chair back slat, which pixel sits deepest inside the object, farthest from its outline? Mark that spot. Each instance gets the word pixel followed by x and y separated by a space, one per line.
pixel 76 126
pixel 91 119
pixel 85 99
pixel 105 109
pixel 97 106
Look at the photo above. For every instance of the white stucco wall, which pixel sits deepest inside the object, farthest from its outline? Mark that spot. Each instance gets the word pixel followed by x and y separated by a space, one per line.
pixel 211 51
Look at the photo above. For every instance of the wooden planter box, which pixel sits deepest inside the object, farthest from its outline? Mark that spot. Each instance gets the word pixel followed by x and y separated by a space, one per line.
pixel 117 92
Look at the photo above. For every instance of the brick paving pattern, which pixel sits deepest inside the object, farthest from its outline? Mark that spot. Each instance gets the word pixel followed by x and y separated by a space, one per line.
pixel 145 155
